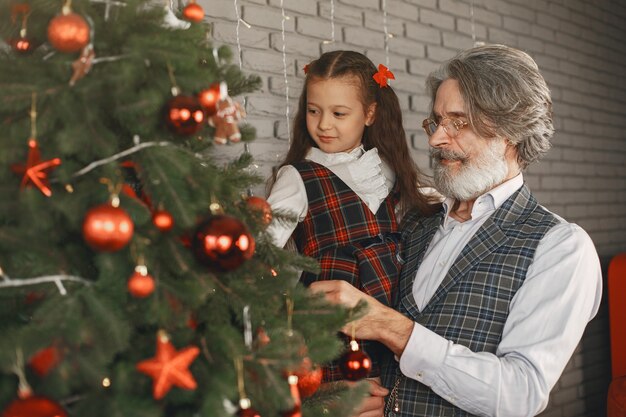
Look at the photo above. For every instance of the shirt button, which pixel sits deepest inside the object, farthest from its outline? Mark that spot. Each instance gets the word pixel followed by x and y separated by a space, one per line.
pixel 419 374
pixel 442 264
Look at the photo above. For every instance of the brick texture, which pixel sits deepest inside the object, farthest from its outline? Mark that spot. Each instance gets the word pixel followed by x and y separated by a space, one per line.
pixel 577 44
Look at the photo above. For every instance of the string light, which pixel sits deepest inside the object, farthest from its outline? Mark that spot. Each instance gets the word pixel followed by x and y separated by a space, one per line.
pixel 107 7
pixel 282 25
pixel 332 23
pixel 386 29
pixel 119 155
pixel 239 20
pixel 56 279
pixel 170 20
pixel 240 54
pixel 108 59
pixel 247 327
pixel 474 41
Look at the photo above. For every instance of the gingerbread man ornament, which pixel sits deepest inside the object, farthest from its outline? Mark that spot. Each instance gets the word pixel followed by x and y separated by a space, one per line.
pixel 225 120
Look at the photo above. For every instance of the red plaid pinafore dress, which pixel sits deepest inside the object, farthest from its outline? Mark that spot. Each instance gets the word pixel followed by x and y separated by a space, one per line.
pixel 351 244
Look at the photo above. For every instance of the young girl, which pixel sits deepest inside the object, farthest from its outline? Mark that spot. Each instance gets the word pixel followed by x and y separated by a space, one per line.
pixel 348 176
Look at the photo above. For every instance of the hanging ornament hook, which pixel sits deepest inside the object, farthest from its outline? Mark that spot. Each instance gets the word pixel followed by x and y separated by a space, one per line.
pixel 170 72
pixel 289 303
pixel 137 249
pixel 24 20
pixel 33 116
pixel 214 207
pixel 67 7
pixel 114 191
pixel 244 401
pixel 352 327
pixel 24 390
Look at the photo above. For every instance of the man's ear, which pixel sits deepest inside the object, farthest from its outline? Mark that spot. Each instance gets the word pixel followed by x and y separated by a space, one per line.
pixel 510 149
pixel 511 154
pixel 370 114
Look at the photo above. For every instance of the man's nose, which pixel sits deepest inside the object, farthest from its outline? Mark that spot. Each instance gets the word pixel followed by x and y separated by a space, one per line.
pixel 439 138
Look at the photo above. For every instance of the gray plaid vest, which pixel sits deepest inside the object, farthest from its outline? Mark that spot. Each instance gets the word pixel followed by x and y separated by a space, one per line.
pixel 471 305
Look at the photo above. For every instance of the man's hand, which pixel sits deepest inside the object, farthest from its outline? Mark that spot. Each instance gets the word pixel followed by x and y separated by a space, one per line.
pixel 374 405
pixel 380 323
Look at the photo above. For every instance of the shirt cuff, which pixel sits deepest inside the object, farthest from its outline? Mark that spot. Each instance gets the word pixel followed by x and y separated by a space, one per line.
pixel 423 355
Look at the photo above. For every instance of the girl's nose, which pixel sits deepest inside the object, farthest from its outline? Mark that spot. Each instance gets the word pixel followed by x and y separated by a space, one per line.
pixel 325 122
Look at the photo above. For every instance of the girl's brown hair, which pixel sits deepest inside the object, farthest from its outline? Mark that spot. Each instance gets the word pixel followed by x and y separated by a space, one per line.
pixel 386 132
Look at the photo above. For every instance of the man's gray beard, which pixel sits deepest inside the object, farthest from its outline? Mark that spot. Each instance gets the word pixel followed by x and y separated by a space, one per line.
pixel 474 177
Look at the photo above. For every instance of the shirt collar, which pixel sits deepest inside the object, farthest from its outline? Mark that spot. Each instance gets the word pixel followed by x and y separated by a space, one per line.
pixel 329 159
pixel 489 201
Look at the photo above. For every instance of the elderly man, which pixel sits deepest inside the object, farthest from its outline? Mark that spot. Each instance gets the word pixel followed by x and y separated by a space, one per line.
pixel 496 290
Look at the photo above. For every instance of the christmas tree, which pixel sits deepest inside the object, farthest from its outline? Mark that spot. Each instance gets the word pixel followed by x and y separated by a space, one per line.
pixel 136 275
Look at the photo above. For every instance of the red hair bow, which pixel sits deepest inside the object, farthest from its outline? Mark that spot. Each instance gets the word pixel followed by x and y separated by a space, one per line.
pixel 306 69
pixel 383 75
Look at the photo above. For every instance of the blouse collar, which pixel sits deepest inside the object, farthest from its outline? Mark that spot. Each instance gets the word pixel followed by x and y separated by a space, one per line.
pixel 330 159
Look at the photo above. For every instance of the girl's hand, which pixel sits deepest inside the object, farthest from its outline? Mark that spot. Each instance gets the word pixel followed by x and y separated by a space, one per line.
pixel 374 405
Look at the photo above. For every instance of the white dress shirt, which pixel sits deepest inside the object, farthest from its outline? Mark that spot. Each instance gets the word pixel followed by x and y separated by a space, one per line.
pixel 364 172
pixel 547 317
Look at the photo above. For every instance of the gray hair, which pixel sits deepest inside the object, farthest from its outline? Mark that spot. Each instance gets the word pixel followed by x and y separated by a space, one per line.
pixel 505 96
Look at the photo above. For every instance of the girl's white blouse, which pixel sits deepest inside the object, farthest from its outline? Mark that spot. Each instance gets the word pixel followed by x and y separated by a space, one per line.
pixel 364 172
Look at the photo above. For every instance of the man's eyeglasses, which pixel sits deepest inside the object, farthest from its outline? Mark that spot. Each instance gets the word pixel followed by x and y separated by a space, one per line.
pixel 452 127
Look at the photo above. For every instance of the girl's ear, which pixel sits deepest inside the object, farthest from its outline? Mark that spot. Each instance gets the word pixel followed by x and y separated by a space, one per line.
pixel 370 114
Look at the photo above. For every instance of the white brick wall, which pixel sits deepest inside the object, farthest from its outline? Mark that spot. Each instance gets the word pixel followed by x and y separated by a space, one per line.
pixel 579 46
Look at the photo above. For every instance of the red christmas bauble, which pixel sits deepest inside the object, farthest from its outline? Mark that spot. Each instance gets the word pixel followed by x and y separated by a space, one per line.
pixel 309 378
pixel 140 285
pixel 44 360
pixel 68 32
pixel 184 115
pixel 22 45
pixel 222 243
pixel 193 12
pixel 163 220
pixel 209 97
pixel 259 204
pixel 248 412
pixel 107 228
pixel 355 365
pixel 296 411
pixel 34 407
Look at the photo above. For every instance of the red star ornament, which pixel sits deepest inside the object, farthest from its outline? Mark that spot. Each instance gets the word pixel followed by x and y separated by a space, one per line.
pixel 35 170
pixel 383 75
pixel 169 367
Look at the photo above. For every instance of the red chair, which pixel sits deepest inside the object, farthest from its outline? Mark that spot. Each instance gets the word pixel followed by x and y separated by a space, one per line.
pixel 616 401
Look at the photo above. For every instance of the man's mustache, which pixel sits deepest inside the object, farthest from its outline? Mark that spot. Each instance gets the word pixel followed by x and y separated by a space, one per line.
pixel 439 154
